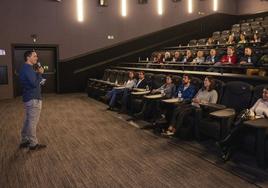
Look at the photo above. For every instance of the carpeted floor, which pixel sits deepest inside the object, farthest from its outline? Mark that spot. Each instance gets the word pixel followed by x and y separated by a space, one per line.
pixel 90 147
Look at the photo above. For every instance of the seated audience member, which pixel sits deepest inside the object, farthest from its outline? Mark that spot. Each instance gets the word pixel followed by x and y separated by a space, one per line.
pixel 242 39
pixel 230 142
pixel 177 57
pixel 112 95
pixel 230 58
pixel 231 39
pixel 213 58
pixel 207 94
pixel 151 106
pixel 188 58
pixel 159 58
pixel 249 57
pixel 154 58
pixel 256 38
pixel 167 57
pixel 199 58
pixel 142 83
pixel 210 41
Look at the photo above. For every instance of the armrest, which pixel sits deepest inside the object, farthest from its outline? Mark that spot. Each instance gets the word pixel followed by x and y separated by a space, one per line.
pixel 257 123
pixel 172 100
pixel 140 92
pixel 155 96
pixel 225 113
pixel 212 106
pixel 139 89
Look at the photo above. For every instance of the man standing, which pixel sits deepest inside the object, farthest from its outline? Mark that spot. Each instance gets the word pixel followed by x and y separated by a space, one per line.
pixel 30 78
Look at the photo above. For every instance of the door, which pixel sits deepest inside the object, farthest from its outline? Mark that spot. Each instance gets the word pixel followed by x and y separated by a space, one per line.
pixel 47 56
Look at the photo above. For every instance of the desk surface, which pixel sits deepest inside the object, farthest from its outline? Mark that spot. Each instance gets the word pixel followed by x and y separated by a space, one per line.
pixel 173 100
pixel 140 92
pixel 156 96
pixel 227 112
pixel 258 123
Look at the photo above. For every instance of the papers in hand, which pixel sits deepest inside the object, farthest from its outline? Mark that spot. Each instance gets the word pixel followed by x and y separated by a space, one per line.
pixel 43 81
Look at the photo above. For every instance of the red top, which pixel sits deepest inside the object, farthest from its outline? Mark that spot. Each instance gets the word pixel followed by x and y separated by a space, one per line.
pixel 225 59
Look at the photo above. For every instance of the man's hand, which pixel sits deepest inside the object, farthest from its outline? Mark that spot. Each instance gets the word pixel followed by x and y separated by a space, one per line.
pixel 40 70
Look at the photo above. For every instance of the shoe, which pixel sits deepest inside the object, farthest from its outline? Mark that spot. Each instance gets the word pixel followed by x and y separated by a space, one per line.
pixel 24 145
pixel 138 115
pixel 227 156
pixel 222 148
pixel 168 133
pixel 37 147
pixel 110 108
pixel 122 111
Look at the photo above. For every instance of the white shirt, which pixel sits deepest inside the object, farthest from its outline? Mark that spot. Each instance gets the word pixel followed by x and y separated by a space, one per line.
pixel 130 83
pixel 260 108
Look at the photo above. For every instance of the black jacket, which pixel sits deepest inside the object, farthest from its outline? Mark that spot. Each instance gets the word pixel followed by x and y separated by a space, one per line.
pixel 142 84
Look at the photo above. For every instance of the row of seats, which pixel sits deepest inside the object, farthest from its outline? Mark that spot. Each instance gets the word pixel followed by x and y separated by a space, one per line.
pixel 258 19
pixel 235 95
pixel 258 26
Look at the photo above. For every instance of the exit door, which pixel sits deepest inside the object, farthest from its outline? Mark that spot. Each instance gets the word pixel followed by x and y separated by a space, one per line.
pixel 47 56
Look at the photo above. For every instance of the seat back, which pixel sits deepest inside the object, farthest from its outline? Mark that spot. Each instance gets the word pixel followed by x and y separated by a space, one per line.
pixel 192 42
pixel 264 23
pixel 216 35
pixel 120 77
pixel 113 75
pixel 158 80
pixel 250 20
pixel 149 78
pixel 259 19
pixel 125 75
pixel 197 83
pixel 237 95
pixel 202 41
pixel 219 87
pixel 257 93
pixel 245 25
pixel 106 74
pixel 176 80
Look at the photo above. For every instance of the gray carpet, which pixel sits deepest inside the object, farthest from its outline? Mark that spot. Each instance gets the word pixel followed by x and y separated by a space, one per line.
pixel 90 147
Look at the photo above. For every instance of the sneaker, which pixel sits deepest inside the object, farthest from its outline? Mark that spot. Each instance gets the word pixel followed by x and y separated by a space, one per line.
pixel 138 115
pixel 168 133
pixel 37 147
pixel 110 108
pixel 227 156
pixel 24 145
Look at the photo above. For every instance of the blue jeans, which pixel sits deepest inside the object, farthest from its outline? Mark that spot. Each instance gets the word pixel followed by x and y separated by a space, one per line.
pixel 32 114
pixel 112 96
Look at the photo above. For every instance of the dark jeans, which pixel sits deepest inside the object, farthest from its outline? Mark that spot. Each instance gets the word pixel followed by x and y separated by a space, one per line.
pixel 180 113
pixel 112 95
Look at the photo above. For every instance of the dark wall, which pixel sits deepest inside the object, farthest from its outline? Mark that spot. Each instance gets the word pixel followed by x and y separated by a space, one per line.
pixel 251 6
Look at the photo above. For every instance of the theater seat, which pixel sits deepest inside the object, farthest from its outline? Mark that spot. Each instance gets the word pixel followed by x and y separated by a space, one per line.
pixel 259 19
pixel 248 142
pixel 202 41
pixel 237 96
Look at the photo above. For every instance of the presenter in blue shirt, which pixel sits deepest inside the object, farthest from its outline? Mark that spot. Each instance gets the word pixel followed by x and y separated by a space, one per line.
pixel 30 78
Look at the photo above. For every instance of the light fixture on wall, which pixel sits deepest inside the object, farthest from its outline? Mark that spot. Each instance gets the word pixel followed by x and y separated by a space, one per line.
pixel 2 52
pixel 110 37
pixel 103 3
pixel 215 5
pixel 142 1
pixel 160 7
pixel 34 37
pixel 124 8
pixel 190 6
pixel 80 10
